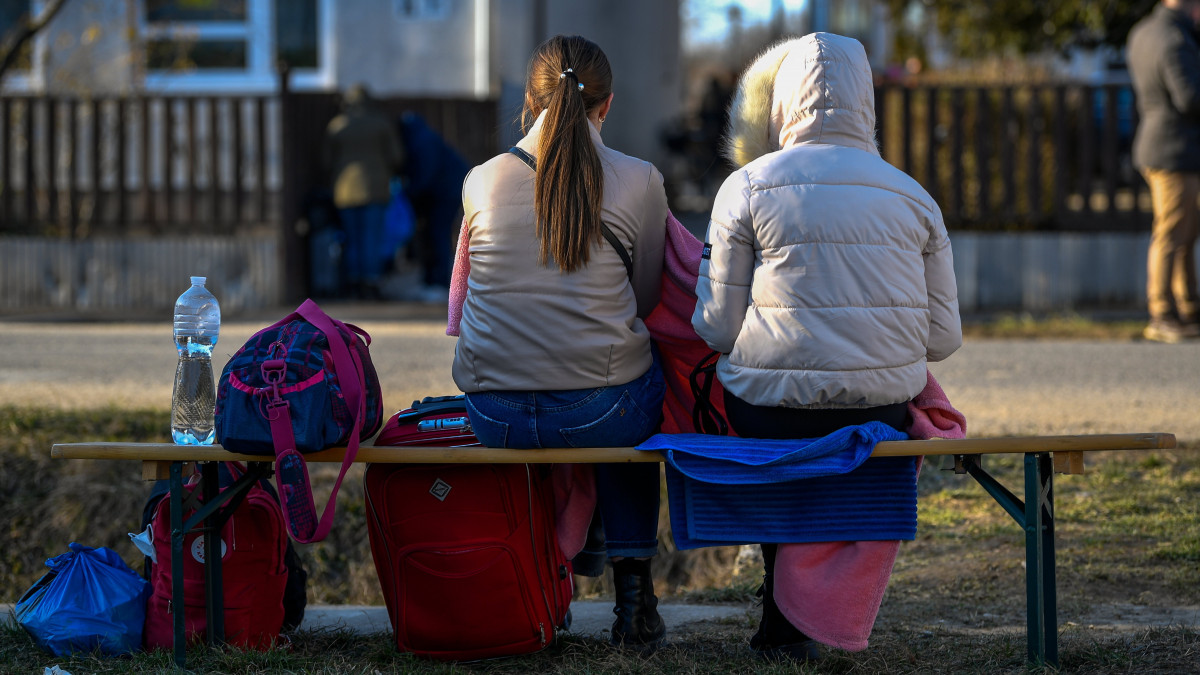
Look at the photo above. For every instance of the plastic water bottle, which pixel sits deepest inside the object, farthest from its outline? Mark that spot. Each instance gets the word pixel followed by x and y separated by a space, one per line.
pixel 197 326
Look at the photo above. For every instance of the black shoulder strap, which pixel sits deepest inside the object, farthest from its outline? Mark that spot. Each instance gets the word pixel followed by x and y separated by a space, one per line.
pixel 608 234
pixel 525 157
pixel 706 419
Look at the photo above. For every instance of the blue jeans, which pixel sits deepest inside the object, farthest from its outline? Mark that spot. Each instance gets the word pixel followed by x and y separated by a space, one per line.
pixel 605 417
pixel 364 227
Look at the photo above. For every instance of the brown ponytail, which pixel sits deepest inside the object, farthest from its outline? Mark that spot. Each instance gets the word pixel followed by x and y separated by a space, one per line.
pixel 570 181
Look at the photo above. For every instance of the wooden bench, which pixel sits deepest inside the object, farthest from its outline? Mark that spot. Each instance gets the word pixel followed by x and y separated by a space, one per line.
pixel 1044 456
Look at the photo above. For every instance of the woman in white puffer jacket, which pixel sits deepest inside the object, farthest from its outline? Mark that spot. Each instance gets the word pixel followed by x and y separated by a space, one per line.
pixel 827 281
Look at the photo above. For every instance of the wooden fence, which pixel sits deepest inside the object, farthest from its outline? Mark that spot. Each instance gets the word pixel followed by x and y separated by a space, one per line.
pixel 75 168
pixel 1045 157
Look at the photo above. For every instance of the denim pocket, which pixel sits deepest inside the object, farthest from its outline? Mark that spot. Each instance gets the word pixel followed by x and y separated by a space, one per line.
pixel 622 425
pixel 490 432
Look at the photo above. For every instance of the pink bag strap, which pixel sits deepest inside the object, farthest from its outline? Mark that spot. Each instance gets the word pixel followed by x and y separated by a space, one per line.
pixel 299 508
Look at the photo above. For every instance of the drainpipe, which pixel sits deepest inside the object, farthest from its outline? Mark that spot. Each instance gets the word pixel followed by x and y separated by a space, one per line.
pixel 483 24
pixel 820 16
pixel 292 253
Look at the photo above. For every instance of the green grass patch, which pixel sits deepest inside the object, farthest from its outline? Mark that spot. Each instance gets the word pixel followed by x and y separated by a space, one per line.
pixel 1027 326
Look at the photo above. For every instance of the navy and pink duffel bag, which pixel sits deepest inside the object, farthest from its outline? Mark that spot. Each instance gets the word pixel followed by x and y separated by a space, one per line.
pixel 300 385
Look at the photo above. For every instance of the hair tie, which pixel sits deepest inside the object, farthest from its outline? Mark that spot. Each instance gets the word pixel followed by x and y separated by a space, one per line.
pixel 572 72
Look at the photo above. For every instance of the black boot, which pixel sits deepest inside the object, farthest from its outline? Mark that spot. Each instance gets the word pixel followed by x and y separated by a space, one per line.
pixel 638 626
pixel 777 638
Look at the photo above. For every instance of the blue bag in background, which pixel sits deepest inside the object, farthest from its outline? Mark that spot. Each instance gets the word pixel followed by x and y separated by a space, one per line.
pixel 90 599
pixel 400 221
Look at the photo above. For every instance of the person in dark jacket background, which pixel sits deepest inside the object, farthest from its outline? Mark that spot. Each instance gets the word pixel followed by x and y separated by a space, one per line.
pixel 1164 63
pixel 433 179
pixel 362 152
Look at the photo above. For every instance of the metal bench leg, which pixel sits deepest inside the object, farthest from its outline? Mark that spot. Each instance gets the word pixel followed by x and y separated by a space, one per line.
pixel 1039 559
pixel 177 534
pixel 1036 516
pixel 213 524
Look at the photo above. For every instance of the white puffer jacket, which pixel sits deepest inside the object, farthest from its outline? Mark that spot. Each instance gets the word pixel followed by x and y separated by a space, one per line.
pixel 828 280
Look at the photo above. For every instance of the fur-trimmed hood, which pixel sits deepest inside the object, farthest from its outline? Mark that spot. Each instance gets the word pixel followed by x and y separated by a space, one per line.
pixel 814 89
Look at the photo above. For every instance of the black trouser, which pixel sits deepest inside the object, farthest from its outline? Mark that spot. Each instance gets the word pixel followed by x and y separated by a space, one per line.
pixel 754 421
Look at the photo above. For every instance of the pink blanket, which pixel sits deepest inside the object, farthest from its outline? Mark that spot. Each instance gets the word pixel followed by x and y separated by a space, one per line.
pixel 831 591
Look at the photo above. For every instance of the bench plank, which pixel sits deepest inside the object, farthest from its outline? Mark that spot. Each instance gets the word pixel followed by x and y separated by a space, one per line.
pixel 169 452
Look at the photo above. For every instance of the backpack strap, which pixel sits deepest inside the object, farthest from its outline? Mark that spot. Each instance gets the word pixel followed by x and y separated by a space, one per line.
pixel 608 234
pixel 705 417
pixel 291 471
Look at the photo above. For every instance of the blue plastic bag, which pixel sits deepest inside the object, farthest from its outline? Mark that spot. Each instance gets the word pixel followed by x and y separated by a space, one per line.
pixel 90 599
pixel 399 221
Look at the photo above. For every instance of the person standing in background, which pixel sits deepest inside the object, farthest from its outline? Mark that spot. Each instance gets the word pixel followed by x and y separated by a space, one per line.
pixel 362 152
pixel 433 179
pixel 1164 64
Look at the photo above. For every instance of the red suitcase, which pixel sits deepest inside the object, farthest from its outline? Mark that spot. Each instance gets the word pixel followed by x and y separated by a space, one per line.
pixel 467 554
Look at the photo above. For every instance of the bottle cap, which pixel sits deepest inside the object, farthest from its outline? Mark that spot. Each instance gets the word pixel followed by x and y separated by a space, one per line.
pixel 198 281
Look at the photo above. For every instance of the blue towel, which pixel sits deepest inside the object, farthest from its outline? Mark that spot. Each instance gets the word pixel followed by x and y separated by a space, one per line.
pixel 724 490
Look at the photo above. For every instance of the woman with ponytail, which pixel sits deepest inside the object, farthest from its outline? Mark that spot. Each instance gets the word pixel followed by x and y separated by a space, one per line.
pixel 564 242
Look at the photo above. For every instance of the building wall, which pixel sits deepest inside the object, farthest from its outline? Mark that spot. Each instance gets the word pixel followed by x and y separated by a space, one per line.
pixel 641 40
pixel 463 49
pixel 86 49
pixel 395 56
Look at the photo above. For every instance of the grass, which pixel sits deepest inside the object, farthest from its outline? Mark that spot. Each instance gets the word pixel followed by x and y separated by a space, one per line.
pixel 1025 326
pixel 1126 534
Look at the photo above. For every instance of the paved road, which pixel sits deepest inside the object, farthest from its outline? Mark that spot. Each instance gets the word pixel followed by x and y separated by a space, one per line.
pixel 1003 386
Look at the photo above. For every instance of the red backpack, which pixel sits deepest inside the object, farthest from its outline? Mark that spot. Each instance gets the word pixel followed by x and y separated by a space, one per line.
pixel 253 542
pixel 467 555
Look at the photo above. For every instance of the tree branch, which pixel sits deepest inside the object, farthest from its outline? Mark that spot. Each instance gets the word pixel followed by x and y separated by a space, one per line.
pixel 12 46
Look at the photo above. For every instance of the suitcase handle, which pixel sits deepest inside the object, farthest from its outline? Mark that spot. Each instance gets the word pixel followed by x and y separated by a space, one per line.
pixel 444 423
pixel 433 406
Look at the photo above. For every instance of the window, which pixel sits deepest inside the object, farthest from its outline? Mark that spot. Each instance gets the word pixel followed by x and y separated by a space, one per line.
pixel 182 54
pixel 13 14
pixel 296 36
pixel 183 36
pixel 25 73
pixel 232 46
pixel 421 10
pixel 195 10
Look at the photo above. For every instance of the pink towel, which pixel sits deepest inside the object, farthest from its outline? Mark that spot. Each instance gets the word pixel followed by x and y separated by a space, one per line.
pixel 933 416
pixel 574 502
pixel 832 591
pixel 670 324
pixel 458 281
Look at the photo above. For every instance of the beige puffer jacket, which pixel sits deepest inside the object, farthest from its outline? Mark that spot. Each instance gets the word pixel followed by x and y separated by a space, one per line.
pixel 828 280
